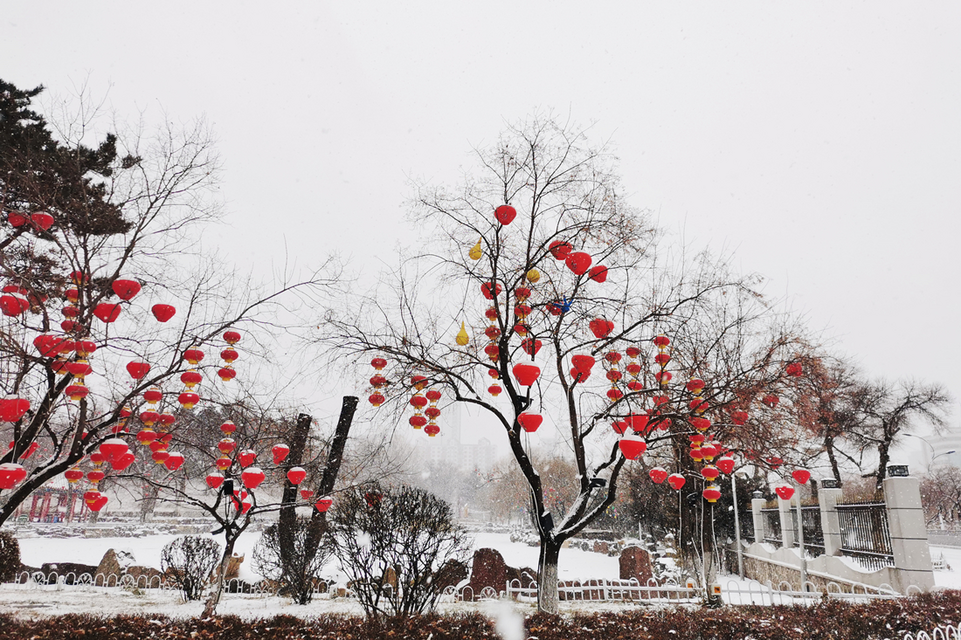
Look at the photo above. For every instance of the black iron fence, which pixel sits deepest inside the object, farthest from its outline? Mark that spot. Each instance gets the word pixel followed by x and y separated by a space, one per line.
pixel 865 534
pixel 772 525
pixel 813 534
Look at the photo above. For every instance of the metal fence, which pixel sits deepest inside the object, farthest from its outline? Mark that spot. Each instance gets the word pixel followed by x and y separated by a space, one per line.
pixel 772 525
pixel 813 534
pixel 865 535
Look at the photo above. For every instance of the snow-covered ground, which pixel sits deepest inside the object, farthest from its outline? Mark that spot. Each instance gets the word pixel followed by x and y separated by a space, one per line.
pixel 32 600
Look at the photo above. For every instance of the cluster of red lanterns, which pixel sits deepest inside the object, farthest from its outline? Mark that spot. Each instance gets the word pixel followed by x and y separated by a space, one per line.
pixel 14 301
pixel 378 381
pixel 38 220
pixel 425 406
pixel 229 355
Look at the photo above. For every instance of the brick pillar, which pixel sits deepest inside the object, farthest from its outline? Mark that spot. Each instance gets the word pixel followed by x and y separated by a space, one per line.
pixel 787 526
pixel 757 503
pixel 909 538
pixel 828 497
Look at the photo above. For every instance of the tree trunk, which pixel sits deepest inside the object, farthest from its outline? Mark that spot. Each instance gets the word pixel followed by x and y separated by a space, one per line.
pixel 547 600
pixel 318 521
pixel 835 469
pixel 210 607
pixel 883 458
pixel 287 522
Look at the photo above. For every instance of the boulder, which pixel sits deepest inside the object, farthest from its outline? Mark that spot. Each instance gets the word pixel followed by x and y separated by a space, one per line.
pixel 635 562
pixel 490 570
pixel 115 563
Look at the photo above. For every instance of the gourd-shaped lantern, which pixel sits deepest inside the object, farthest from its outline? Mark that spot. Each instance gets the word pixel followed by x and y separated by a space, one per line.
pixel 530 421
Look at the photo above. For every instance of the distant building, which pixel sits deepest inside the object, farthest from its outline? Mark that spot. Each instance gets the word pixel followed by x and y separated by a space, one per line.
pixel 447 448
pixel 941 445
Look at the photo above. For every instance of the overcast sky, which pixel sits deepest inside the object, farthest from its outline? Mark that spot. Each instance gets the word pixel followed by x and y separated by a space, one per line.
pixel 818 144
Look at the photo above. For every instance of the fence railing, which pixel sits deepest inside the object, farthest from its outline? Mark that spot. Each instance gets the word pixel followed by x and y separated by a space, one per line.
pixel 86 581
pixel 865 534
pixel 813 534
pixel 772 525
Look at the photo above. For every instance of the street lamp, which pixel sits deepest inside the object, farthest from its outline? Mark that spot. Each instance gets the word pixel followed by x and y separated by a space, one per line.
pixel 934 456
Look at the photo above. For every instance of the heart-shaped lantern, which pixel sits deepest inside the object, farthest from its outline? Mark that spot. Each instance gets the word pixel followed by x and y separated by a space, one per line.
pixel 163 312
pixel 530 421
pixel 247 457
pixel 531 347
pixel 124 460
pixel 323 504
pixel 658 475
pixel 280 452
pixel 526 374
pixel 125 289
pixel 174 461
pixel 676 481
pixel 214 480
pixel 505 214
pixel 490 291
pixel 296 475
pixel 579 262
pixel 784 491
pixel 600 327
pixel 632 446
pixel 801 476
pixel 99 503
pixel 252 477
pixel 107 311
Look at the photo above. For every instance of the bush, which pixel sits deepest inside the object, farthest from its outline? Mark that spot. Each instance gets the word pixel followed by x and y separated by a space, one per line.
pixel 188 561
pixel 297 576
pixel 394 544
pixel 9 557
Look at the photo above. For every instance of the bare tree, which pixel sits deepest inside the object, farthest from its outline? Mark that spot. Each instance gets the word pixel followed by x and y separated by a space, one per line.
pixel 188 561
pixel 576 278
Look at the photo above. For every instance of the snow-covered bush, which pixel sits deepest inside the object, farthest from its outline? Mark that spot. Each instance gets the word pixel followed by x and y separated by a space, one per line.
pixel 188 561
pixel 9 556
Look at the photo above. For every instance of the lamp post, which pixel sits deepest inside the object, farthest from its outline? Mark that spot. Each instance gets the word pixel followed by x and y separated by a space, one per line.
pixel 934 455
pixel 737 528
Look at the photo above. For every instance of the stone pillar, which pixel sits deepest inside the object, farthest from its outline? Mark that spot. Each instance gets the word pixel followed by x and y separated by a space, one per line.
pixel 909 538
pixel 787 526
pixel 757 503
pixel 828 498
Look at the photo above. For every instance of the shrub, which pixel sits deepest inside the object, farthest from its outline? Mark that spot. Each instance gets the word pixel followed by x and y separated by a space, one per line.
pixel 188 561
pixel 9 557
pixel 297 575
pixel 393 544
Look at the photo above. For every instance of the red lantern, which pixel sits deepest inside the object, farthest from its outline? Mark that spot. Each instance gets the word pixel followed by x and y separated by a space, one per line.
pixel 10 304
pixel 214 480
pixel 601 327
pixel 614 375
pixel 795 369
pixel 663 377
pixel 583 363
pixel 490 291
pixel 579 262
pixel 376 398
pixel 49 345
pixel 696 454
pixel 247 457
pixel 725 464
pixel 123 461
pixel 228 427
pixel 531 347
pixel 146 436
pixel 492 351
pixel 431 429
pixel 658 475
pixel 125 289
pixel 223 463
pixel 417 421
pixel 41 220
pixel 598 273
pixel 160 456
pixel 433 395
pixel 227 373
pixel 323 504
pixel 784 491
pixel 149 417
pixel 174 461
pixel 226 445
pixel 695 385
pixel 378 363
pixel 775 462
pixel 494 390
pixel 153 395
pixel 801 476
pixel 296 475
pixel 76 392
pixel 11 474
pixel 619 427
pixel 419 382
pixel 188 399
pixel 113 447
pixel 560 249
pixel 99 503
pixel 306 494
pixel 710 473
pixel 700 423
pixel 107 311
pixel 770 400
pixel 698 405
pixel 639 423
pixel 280 452
pixel 13 408
pixel 252 477
pixel 432 412
pixel 632 352
pixel 614 394
pixel 418 401
pixel 580 376
pixel 708 451
pixel 739 417
pixel 229 355
pixel 526 374
pixel 530 421
pixel 73 295
pixel 193 355
pixel 662 359
pixel 233 337
pixel 505 214
pixel 73 475
pixel 137 369
pixel 711 493
pixel 191 378
pixel 163 312
pixel 632 446
pixel 676 481
pixel 158 445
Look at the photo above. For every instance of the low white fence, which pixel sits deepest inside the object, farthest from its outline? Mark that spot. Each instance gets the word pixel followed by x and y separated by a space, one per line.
pixel 54 581
pixel 941 632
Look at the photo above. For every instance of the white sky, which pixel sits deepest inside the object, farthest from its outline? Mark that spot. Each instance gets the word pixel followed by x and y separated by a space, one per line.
pixel 817 144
